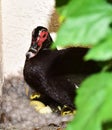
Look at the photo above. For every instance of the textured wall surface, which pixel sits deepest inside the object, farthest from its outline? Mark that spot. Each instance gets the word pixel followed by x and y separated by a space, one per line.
pixel 18 20
pixel 1 76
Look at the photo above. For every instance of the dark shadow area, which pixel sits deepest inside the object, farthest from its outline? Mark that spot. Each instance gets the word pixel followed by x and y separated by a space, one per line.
pixel 107 126
pixel 110 25
pixel 61 2
pixel 109 1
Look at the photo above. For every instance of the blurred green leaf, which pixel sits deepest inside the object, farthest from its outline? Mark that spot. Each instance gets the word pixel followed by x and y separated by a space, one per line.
pixel 102 51
pixel 61 8
pixel 86 22
pixel 89 22
pixel 94 103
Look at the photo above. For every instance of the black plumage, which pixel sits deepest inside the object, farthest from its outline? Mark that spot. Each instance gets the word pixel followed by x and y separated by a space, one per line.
pixel 49 71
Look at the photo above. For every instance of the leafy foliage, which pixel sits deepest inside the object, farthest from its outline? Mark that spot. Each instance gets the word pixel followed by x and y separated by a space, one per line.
pixel 89 23
pixel 94 107
pixel 102 51
pixel 86 21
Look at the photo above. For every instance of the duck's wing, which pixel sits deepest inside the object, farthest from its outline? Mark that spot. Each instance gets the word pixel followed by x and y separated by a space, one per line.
pixel 71 61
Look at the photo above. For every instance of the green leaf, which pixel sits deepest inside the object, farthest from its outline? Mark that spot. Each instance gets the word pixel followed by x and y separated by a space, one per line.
pixel 102 51
pixel 94 103
pixel 61 5
pixel 86 23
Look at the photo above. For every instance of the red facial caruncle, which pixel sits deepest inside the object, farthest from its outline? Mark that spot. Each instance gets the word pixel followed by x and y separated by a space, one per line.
pixel 43 34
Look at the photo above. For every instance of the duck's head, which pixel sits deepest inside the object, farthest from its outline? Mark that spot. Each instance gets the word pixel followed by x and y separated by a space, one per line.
pixel 41 39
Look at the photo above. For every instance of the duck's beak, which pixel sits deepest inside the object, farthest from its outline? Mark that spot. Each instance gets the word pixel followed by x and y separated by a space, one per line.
pixel 34 49
pixel 29 55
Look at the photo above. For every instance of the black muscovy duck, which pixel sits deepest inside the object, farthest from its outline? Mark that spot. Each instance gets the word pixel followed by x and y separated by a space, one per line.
pixel 49 71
